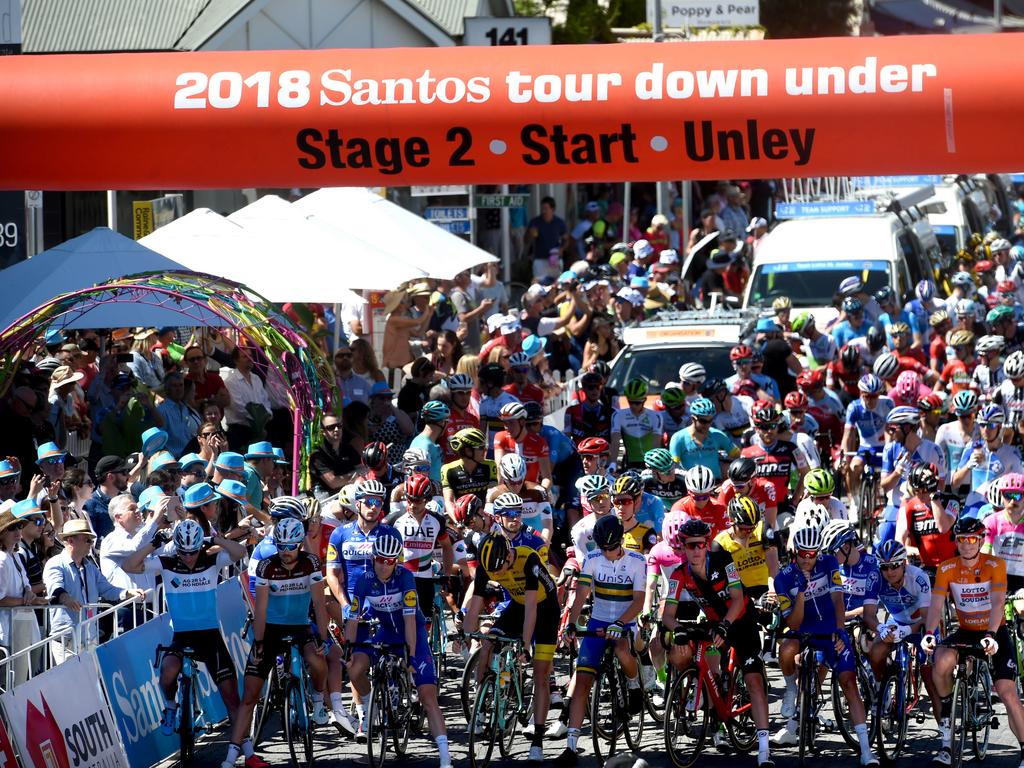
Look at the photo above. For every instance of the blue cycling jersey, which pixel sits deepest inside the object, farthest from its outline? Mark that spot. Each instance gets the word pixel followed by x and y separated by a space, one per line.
pixel 559 445
pixel 433 451
pixel 388 601
pixel 925 453
pixel 825 580
pixel 767 383
pixel 651 511
pixel 860 582
pixel 352 550
pixel 844 333
pixel 869 423
pixel 289 588
pixel 262 551
pixel 909 601
pixel 191 593
pixel 685 450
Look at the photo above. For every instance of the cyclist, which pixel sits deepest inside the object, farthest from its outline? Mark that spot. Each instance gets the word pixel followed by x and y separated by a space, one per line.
pixel 662 562
pixel 661 477
pixel 859 569
pixel 281 508
pixel 616 577
pixel 905 449
pixel 389 594
pixel 596 500
pixel 905 593
pixel 940 324
pixel 516 439
pixel 286 586
pixel 190 574
pixel 756 386
pixel 987 459
pixel 932 408
pixel 674 406
pixel 732 412
pixel 536 507
pixel 492 399
pixel 636 536
pixel 520 386
pixel 507 510
pixel 754 553
pixel 853 324
pixel 434 416
pixel 701 444
pixel 953 437
pixel 636 427
pixel 375 458
pixel 924 521
pixel 865 423
pixel 1010 394
pixel 956 374
pixel 976 585
pixel 647 508
pixel 530 610
pixel 845 373
pixel 714 582
pixel 1004 530
pixel 743 480
pixel 462 415
pixel 810 593
pixel 989 374
pixel 591 416
pixel 776 458
pixel 472 472
pixel 414 462
pixel 473 523
pixel 820 485
pixel 699 503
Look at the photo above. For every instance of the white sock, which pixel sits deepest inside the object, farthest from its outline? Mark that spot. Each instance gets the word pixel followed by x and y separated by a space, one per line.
pixel 945 733
pixel 337 703
pixel 362 712
pixel 762 744
pixel 442 749
pixel 318 698
pixel 633 682
pixel 571 738
pixel 247 750
pixel 233 752
pixel 861 729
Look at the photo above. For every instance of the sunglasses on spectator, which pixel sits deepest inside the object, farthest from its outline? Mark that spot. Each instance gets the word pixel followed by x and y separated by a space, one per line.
pixel 54 461
pixel 702 544
pixel 386 560
pixel 891 566
pixel 9 480
pixel 212 434
pixel 807 554
pixel 36 520
pixel 287 547
pixel 1013 495
pixel 970 538
pixel 331 427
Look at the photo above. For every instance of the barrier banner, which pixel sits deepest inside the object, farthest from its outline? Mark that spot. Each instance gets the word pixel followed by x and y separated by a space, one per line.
pixel 7 757
pixel 709 110
pixel 133 688
pixel 232 615
pixel 61 720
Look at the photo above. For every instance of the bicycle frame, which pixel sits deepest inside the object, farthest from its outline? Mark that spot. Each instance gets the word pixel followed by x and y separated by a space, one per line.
pixel 722 704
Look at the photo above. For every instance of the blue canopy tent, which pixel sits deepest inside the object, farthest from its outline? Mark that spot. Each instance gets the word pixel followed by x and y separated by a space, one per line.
pixel 82 262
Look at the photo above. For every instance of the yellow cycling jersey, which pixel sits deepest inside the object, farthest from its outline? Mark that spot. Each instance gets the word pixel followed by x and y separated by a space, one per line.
pixel 750 560
pixel 527 573
pixel 640 538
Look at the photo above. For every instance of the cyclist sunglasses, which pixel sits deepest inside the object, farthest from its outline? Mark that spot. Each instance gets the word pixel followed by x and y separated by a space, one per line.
pixel 373 501
pixel 702 544
pixel 970 538
pixel 512 513
pixel 990 425
pixel 620 500
pixel 700 496
pixel 287 547
pixel 891 566
pixel 1013 495
pixel 807 553
pixel 601 497
pixel 386 560
pixel 703 421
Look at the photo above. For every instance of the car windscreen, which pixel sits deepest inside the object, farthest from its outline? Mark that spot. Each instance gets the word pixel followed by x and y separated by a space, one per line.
pixel 946 235
pixel 813 283
pixel 660 365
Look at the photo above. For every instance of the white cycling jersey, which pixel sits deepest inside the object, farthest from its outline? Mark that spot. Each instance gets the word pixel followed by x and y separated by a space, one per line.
pixel 912 597
pixel 613 582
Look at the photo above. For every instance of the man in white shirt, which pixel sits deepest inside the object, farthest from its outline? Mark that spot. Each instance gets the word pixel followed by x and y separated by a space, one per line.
pixel 129 535
pixel 246 388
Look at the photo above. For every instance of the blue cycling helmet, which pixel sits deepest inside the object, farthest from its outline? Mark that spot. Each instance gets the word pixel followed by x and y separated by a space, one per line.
pixel 435 412
pixel 925 290
pixel 852 304
pixel 870 384
pixel 992 413
pixel 891 552
pixel 964 402
pixel 702 408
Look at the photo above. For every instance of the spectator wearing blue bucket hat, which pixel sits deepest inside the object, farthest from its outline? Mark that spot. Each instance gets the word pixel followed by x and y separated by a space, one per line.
pixel 260 459
pixel 232 466
pixel 50 459
pixel 202 505
pixel 10 479
pixel 236 516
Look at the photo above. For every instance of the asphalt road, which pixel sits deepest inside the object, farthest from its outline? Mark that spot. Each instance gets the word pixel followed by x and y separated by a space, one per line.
pixel 333 750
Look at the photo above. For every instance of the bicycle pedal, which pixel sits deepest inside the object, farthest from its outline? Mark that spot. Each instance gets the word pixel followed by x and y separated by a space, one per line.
pixel 919 718
pixel 994 723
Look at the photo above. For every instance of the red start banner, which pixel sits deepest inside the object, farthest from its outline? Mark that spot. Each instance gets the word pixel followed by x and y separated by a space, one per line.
pixel 821 107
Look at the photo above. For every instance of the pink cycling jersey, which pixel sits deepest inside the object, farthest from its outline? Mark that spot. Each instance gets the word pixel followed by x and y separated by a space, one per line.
pixel 662 560
pixel 1006 540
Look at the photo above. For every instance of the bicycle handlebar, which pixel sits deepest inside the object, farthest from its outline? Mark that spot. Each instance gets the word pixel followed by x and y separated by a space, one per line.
pixel 165 649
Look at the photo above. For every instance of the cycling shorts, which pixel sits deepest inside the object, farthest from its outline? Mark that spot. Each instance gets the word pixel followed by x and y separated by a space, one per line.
pixel 837 662
pixel 423 671
pixel 274 646
pixel 1004 663
pixel 592 648
pixel 744 638
pixel 208 647
pixel 425 595
pixel 512 619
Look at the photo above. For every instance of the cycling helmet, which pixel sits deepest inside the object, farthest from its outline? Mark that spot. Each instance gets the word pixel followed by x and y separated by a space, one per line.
pixel 925 290
pixel 635 390
pixel 494 551
pixel 519 360
pixel 815 516
pixel 659 460
pixel 1012 482
pixel 804 320
pixel 933 401
pixel 375 455
pixel 693 373
pixel 287 507
pixel 460 382
pixel 994 493
pixel 188 536
pixel 908 386
pixel 369 488
pixel 628 485
pixel 743 510
pixel 1000 313
pixel 884 295
pixel 964 308
pixel 506 502
pixel 702 408
pixel 938 317
pixel 672 523
pixel 904 415
pixel 899 328
pixel 808 381
pixel 387 544
pixel 782 302
pixel 700 479
pixel 990 343
pixel 512 411
pixel 740 352
pixel 836 533
pixel 593 446
pixel 435 412
pixel 891 552
pixel 711 388
pixel 601 368
pixel 608 532
pixel 491 374
pixel 313 507
pixel 999 244
pixel 924 477
pixel 796 399
pixel 624 248
pixel 470 437
pixel 807 539
pixel 875 338
pixel 419 487
pixel 1017 253
pixel 593 485
pixel 869 384
pixel 992 413
pixel 962 280
pixel 965 526
pixel 820 482
pixel 694 529
pixel 886 366
pixel 512 468
pixel 849 356
pixel 415 457
pixel 466 507
pixel 672 397
pixel 742 470
pixel 765 414
pixel 961 338
pixel 289 532
pixel 591 379
pixel 965 401
pixel 1013 366
pixel 347 498
pixel 852 304
pixel 534 410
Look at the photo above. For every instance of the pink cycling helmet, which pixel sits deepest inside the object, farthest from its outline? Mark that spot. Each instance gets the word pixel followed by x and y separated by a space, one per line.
pixel 908 386
pixel 1012 482
pixel 671 524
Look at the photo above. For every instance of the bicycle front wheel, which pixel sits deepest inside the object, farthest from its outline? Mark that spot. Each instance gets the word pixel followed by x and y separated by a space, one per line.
pixel 604 715
pixel 298 725
pixel 633 725
pixel 468 684
pixel 809 694
pixel 981 711
pixel 741 727
pixel 687 719
pixel 959 721
pixel 483 724
pixel 376 727
pixel 264 707
pixel 186 732
pixel 891 715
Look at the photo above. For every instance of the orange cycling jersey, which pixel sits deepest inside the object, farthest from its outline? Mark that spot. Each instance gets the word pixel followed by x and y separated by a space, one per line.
pixel 972 589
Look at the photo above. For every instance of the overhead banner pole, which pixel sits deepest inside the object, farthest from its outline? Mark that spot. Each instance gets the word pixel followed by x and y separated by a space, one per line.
pixel 768 109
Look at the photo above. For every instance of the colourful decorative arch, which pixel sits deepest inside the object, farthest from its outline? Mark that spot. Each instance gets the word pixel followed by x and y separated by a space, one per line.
pixel 293 357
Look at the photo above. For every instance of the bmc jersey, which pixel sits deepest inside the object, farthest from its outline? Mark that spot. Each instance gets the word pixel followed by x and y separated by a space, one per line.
pixel 760 490
pixel 533 448
pixel 825 580
pixel 712 593
pixel 191 592
pixel 908 602
pixel 1005 539
pixel 583 421
pixel 775 463
pixel 917 519
pixel 614 582
pixel 290 588
pixel 352 550
pixel 388 601
pixel 869 423
pixel 860 582
pixel 419 539
pixel 971 589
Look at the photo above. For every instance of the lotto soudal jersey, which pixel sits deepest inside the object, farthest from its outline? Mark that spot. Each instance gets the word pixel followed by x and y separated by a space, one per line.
pixel 775 463
pixel 290 588
pixel 351 550
pixel 191 592
pixel 419 539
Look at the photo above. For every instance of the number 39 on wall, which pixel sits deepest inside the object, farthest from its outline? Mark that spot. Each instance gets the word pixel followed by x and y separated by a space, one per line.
pixel 514 31
pixel 8 234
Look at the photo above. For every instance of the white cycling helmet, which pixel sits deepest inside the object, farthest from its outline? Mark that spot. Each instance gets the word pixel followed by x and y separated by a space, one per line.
pixel 368 488
pixel 886 365
pixel 695 373
pixel 289 532
pixel 459 382
pixel 188 536
pixel 512 411
pixel 507 501
pixel 1013 366
pixel 700 479
pixel 815 516
pixel 512 468
pixel 990 343
pixel 807 539
pixel 519 360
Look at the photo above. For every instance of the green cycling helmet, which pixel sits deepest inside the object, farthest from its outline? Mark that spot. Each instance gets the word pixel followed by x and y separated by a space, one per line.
pixel 660 460
pixel 702 408
pixel 672 397
pixel 819 482
pixel 635 390
pixel 998 314
pixel 801 321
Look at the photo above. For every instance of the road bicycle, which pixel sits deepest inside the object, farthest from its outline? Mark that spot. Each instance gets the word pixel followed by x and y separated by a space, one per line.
pixel 609 702
pixel 898 698
pixel 391 700
pixel 438 636
pixel 501 703
pixel 972 703
pixel 191 718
